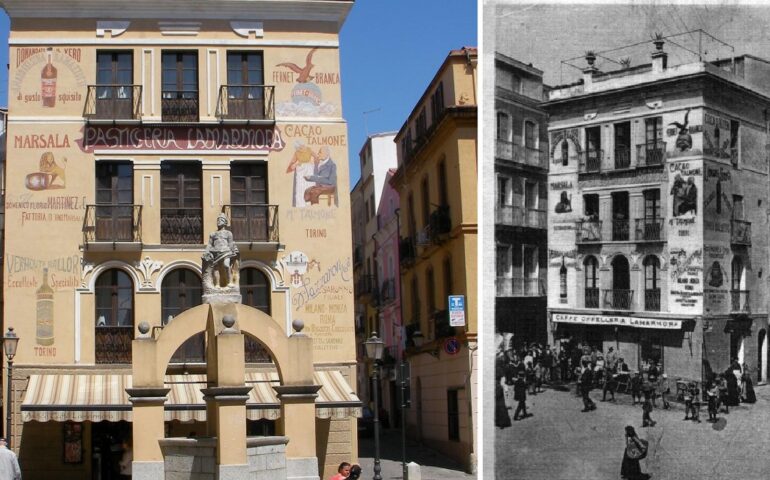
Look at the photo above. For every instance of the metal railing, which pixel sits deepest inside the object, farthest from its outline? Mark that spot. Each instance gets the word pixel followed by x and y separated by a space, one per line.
pixel 113 102
pixel 253 223
pixel 181 225
pixel 652 300
pixel 440 324
pixel 620 230
pixel 618 299
pixel 590 161
pixel 438 227
pixel 739 301
pixel 588 231
pixel 113 344
pixel 520 217
pixel 526 155
pixel 592 297
pixel 622 158
pixel 740 233
pixel 246 102
pixel 650 229
pixel 112 223
pixel 179 106
pixel 520 287
pixel 651 153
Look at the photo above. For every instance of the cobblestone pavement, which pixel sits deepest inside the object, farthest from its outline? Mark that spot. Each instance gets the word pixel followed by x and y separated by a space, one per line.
pixel 561 442
pixel 433 466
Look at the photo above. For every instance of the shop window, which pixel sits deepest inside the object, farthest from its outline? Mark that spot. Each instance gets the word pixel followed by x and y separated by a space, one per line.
pixel 114 297
pixel 180 291
pixel 453 415
pixel 651 350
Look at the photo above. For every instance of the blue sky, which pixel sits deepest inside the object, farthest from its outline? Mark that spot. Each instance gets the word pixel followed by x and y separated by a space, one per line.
pixel 390 50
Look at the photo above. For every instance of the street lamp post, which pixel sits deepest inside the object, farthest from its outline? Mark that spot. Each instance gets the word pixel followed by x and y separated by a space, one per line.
pixel 10 340
pixel 374 348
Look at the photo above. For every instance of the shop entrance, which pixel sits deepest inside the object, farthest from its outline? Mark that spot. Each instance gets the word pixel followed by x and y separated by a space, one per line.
pixel 107 448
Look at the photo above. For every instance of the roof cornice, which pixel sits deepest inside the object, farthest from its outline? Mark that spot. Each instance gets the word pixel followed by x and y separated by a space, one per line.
pixel 312 10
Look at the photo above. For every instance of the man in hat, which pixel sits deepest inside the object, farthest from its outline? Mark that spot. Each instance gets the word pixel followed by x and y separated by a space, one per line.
pixel 520 395
pixel 9 464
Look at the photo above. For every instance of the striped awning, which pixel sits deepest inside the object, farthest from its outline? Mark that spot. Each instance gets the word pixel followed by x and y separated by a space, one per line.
pixel 97 397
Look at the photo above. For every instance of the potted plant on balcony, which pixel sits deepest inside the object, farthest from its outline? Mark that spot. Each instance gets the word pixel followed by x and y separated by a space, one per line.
pixel 658 41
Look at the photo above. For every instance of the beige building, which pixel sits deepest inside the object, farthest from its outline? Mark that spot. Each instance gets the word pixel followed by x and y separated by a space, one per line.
pixel 436 183
pixel 126 139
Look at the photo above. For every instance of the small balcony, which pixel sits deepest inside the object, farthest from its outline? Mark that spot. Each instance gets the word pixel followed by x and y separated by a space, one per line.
pixel 651 154
pixel 520 287
pixel 618 299
pixel 740 233
pixel 113 344
pixel 246 103
pixel 590 161
pixel 388 291
pixel 622 158
pixel 592 297
pixel 535 157
pixel 652 300
pixel 513 216
pixel 180 106
pixel 588 231
pixel 113 103
pixel 440 324
pixel 181 226
pixel 739 301
pixel 504 150
pixel 620 230
pixel 438 228
pixel 525 155
pixel 112 225
pixel 650 230
pixel 253 223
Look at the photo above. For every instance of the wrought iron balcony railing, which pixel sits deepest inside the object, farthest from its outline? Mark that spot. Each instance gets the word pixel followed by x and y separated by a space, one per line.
pixel 622 158
pixel 521 217
pixel 650 229
pixel 620 229
pixel 618 299
pixel 112 223
pixel 520 287
pixel 740 232
pixel 525 155
pixel 113 344
pixel 438 227
pixel 181 225
pixel 651 153
pixel 440 324
pixel 588 231
pixel 179 106
pixel 590 161
pixel 246 102
pixel 113 102
pixel 652 299
pixel 253 223
pixel 592 297
pixel 739 301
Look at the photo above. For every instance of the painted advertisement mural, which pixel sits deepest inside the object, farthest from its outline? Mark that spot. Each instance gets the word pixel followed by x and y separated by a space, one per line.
pixel 685 231
pixel 754 148
pixel 565 212
pixel 48 80
pixel 720 139
pixel 310 94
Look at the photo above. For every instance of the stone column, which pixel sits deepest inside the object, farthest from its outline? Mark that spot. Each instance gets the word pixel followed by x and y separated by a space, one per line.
pixel 229 403
pixel 148 430
pixel 298 424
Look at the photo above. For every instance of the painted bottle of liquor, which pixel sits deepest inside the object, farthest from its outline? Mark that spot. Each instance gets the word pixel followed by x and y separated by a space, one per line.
pixel 44 325
pixel 563 282
pixel 48 82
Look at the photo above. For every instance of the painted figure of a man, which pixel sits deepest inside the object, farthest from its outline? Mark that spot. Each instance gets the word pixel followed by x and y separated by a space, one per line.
pixel 324 176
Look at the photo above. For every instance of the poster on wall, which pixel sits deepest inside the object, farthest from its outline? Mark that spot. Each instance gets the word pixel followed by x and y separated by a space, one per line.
pixel 308 82
pixel 718 141
pixel 754 151
pixel 48 78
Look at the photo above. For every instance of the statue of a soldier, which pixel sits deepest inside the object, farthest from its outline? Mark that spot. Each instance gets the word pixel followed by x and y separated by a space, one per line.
pixel 220 259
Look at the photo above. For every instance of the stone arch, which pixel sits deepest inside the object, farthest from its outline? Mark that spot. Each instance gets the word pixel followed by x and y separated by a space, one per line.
pixel 109 265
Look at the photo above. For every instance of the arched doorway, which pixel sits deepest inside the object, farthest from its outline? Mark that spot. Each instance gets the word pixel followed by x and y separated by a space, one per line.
pixel 620 296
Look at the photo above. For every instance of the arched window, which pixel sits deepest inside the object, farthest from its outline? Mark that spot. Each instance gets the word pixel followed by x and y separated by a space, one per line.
pixel 503 127
pixel 651 283
pixel 530 134
pixel 564 152
pixel 739 294
pixel 621 295
pixel 180 291
pixel 114 297
pixel 255 292
pixel 591 268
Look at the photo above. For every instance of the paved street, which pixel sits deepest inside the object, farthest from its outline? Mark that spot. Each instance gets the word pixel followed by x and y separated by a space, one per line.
pixel 433 465
pixel 561 442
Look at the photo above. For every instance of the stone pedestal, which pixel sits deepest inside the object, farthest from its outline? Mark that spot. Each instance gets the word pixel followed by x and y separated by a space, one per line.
pixel 147 424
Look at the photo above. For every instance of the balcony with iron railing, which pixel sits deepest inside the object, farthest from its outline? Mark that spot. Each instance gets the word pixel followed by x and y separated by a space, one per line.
pixel 740 233
pixel 438 228
pixel 246 103
pixel 652 299
pixel 590 161
pixel 620 230
pixel 114 225
pixel 650 154
pixel 407 251
pixel 739 301
pixel 504 150
pixel 650 230
pixel 113 103
pixel 520 287
pixel 588 231
pixel 179 106
pixel 440 324
pixel 622 157
pixel 514 216
pixel 113 344
pixel 181 226
pixel 253 223
pixel 617 299
pixel 591 297
pixel 523 154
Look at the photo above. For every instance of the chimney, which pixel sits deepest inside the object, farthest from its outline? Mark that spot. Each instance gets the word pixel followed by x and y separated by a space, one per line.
pixel 588 75
pixel 659 57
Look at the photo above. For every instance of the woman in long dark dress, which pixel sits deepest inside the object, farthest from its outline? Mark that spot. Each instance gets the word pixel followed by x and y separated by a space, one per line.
pixel 630 468
pixel 502 420
pixel 733 395
pixel 748 389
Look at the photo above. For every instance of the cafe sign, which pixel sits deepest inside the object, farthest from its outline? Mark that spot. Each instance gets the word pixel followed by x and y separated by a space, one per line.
pixel 616 320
